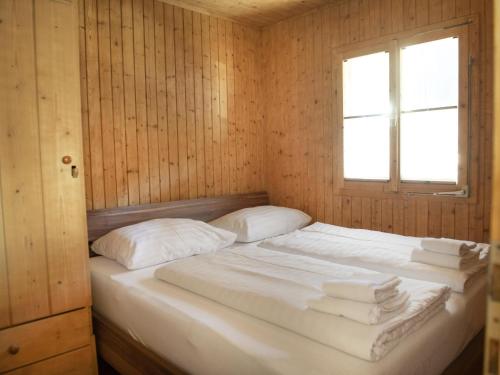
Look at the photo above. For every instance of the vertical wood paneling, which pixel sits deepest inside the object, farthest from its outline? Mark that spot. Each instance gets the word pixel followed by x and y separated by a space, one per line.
pixel 410 225
pixel 129 100
pixel 93 103
pixel 301 125
pixel 4 283
pixel 180 72
pixel 59 124
pixel 169 107
pixel 43 241
pixel 106 102
pixel 172 137
pixel 190 104
pixel 328 115
pixel 207 105
pixel 215 96
pixel 119 131
pixel 22 201
pixel 140 101
pixel 231 115
pixel 161 95
pixel 151 101
pixel 198 98
pixel 85 108
pixel 224 144
pixel 356 212
pixel 387 215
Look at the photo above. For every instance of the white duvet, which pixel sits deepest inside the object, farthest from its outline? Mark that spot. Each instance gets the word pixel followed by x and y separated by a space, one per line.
pixel 275 287
pixel 383 252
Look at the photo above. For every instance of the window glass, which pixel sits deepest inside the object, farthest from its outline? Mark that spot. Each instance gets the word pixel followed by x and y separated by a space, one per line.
pixel 429 111
pixel 366 117
pixel 429 75
pixel 367 148
pixel 366 85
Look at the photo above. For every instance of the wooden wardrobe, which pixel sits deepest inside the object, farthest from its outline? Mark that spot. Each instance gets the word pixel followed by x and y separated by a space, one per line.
pixel 45 320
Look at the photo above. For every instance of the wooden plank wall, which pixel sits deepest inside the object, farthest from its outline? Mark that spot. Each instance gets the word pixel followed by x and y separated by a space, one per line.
pixel 301 118
pixel 170 104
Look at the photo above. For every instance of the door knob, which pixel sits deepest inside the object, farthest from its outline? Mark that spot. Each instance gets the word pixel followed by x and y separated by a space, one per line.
pixel 66 159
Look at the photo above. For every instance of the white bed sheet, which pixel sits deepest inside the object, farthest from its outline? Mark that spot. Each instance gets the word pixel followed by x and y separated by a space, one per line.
pixel 204 337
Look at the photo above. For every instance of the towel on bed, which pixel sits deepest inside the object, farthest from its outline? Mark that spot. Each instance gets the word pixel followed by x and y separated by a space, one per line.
pixel 384 252
pixel 275 287
pixel 443 260
pixel 447 246
pixel 366 313
pixel 362 290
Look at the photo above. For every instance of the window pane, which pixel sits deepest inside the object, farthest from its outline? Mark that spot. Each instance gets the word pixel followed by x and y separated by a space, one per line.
pixel 366 85
pixel 429 75
pixel 429 146
pixel 366 148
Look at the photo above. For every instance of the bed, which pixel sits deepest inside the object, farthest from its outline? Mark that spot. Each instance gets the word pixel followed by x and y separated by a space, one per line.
pixel 143 325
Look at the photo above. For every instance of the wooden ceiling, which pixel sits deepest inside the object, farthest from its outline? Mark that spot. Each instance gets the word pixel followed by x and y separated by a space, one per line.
pixel 257 13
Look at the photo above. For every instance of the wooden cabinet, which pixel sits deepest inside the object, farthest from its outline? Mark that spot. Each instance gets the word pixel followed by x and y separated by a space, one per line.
pixel 41 339
pixel 44 281
pixel 77 362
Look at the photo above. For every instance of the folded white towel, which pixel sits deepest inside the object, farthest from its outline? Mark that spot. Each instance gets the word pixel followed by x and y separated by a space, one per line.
pixel 443 260
pixel 366 313
pixel 369 291
pixel 447 246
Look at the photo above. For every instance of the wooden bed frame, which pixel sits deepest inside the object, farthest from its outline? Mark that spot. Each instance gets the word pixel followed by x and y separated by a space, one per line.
pixel 128 356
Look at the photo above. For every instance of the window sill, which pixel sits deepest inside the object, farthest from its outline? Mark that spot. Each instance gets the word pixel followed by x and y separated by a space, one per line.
pixel 386 190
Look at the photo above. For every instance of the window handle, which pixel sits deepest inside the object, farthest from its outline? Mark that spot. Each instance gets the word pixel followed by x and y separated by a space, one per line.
pixel 464 192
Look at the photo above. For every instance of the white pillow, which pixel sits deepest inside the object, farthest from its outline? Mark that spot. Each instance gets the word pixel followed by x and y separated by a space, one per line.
pixel 161 240
pixel 258 223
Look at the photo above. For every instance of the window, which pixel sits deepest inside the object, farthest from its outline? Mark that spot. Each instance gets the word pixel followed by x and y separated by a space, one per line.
pixel 367 109
pixel 404 127
pixel 429 111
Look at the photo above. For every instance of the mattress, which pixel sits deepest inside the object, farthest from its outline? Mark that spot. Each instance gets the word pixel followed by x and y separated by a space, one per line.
pixel 204 337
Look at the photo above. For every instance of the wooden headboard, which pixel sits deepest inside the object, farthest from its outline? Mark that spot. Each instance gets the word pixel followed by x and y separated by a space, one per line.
pixel 103 221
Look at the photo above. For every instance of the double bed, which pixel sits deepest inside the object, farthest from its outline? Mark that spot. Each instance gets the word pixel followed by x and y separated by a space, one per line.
pixel 144 325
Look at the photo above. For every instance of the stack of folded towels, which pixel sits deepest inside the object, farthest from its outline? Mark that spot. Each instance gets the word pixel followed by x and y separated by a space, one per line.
pixel 446 252
pixel 365 301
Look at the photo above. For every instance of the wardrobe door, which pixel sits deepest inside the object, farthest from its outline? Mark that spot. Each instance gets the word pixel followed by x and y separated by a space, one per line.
pixel 58 76
pixel 22 243
pixel 43 240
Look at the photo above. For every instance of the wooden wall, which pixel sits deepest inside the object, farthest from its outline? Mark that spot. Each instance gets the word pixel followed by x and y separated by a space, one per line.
pixel 170 104
pixel 301 118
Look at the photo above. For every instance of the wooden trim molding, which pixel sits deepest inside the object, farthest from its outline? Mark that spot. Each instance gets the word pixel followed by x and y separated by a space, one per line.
pixel 103 221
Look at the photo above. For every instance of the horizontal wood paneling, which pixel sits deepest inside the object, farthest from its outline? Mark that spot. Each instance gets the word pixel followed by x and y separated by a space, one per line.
pixel 301 124
pixel 254 13
pixel 169 100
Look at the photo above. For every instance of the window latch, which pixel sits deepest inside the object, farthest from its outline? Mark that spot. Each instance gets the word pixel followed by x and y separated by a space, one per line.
pixel 464 192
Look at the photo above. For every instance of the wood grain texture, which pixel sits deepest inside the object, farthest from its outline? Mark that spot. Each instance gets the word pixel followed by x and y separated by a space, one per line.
pixel 20 171
pixel 77 362
pixel 45 338
pixel 302 124
pixel 43 240
pixel 256 13
pixel 59 123
pixel 170 100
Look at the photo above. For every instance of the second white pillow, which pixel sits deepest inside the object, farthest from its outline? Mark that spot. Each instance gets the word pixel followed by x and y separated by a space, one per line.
pixel 258 223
